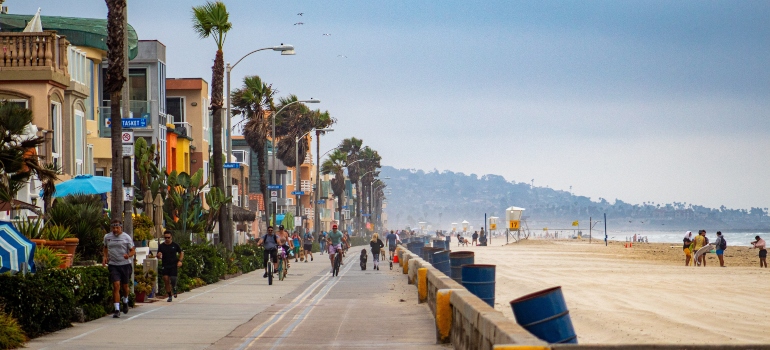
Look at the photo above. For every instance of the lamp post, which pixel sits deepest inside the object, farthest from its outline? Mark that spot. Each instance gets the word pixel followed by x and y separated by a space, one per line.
pixel 284 50
pixel 296 156
pixel 317 192
pixel 275 144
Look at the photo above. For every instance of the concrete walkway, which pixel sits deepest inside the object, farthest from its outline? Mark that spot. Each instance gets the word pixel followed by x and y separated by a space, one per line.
pixel 310 309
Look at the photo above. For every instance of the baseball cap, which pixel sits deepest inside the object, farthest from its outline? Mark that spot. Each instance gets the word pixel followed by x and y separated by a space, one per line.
pixel 334 226
pixel 280 227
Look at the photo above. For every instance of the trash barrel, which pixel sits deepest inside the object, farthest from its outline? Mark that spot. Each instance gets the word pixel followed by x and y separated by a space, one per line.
pixel 446 244
pixel 415 247
pixel 545 315
pixel 480 280
pixel 405 241
pixel 427 253
pixel 456 261
pixel 441 261
pixel 438 244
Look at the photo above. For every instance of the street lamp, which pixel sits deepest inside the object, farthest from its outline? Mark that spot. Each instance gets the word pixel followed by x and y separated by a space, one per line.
pixel 284 50
pixel 275 144
pixel 296 156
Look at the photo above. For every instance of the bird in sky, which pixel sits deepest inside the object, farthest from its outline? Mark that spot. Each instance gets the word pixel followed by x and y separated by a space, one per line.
pixel 298 24
pixel 300 14
pixel 325 34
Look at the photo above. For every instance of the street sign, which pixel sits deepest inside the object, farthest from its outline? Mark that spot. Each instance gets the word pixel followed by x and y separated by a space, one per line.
pixel 344 207
pixel 273 193
pixel 129 122
pixel 128 194
pixel 127 137
pixel 232 165
pixel 274 187
pixel 366 214
pixel 514 224
pixel 274 199
pixel 298 193
pixel 128 150
pixel 493 226
pixel 321 201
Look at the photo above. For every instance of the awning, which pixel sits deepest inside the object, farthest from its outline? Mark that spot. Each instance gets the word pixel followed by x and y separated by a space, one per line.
pixel 15 249
pixel 88 32
pixel 16 205
pixel 243 215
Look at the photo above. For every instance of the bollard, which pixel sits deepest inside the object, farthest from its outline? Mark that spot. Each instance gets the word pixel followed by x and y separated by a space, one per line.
pixel 480 280
pixel 456 261
pixel 545 315
pixel 443 316
pixel 422 285
pixel 406 266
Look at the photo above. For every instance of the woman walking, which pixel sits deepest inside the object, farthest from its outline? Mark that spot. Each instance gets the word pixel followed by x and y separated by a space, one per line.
pixel 760 244
pixel 296 242
pixel 376 245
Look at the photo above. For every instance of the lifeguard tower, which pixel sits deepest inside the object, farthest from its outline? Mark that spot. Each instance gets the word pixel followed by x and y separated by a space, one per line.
pixel 513 219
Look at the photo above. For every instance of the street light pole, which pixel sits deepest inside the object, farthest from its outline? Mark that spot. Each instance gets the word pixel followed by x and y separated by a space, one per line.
pixel 317 192
pixel 227 226
pixel 275 145
pixel 297 169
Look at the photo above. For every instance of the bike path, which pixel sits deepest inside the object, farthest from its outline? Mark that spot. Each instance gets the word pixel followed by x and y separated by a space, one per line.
pixel 246 313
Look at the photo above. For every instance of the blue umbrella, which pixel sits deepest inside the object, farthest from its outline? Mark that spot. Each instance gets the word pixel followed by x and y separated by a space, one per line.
pixel 83 184
pixel 15 249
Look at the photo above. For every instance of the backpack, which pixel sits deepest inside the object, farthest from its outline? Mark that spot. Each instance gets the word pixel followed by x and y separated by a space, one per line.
pixel 723 244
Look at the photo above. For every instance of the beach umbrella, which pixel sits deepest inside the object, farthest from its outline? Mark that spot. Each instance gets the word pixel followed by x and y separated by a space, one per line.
pixel 15 249
pixel 83 184
pixel 34 25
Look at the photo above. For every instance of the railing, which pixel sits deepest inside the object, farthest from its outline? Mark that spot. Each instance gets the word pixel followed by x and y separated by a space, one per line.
pixel 308 158
pixel 34 50
pixel 306 186
pixel 184 129
pixel 138 109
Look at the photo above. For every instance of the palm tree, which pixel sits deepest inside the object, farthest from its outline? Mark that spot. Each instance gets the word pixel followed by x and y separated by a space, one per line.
pixel 255 101
pixel 212 20
pixel 335 165
pixel 352 147
pixel 368 165
pixel 115 78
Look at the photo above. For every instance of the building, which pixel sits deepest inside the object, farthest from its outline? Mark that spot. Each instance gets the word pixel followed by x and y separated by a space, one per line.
pixel 187 104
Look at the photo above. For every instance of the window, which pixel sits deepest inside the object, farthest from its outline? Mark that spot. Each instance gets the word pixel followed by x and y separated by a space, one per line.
pixel 56 140
pixel 137 84
pixel 91 96
pixel 79 142
pixel 241 156
pixel 99 172
pixel 206 171
pixel 20 103
pixel 162 145
pixel 289 177
pixel 162 87
pixel 175 107
pixel 206 117
pixel 289 201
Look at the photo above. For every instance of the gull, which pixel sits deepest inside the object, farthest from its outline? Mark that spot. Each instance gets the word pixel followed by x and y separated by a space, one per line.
pixel 299 23
pixel 300 14
pixel 325 34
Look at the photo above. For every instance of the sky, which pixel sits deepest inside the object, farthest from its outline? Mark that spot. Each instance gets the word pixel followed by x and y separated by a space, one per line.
pixel 642 101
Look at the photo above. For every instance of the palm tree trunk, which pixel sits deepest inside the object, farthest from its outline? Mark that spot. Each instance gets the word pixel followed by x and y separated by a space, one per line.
pixel 217 82
pixel 358 206
pixel 116 205
pixel 115 79
pixel 262 165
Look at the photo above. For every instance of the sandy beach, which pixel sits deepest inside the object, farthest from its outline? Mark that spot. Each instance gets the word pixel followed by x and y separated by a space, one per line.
pixel 641 295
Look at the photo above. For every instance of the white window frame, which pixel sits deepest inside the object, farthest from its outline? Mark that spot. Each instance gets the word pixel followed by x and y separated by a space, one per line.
pixel 162 145
pixel 206 171
pixel 289 201
pixel 18 100
pixel 244 155
pixel 206 119
pixel 289 177
pixel 80 142
pixel 56 126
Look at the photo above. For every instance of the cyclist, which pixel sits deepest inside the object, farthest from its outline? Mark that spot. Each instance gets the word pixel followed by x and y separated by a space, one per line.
pixel 284 240
pixel 335 240
pixel 270 241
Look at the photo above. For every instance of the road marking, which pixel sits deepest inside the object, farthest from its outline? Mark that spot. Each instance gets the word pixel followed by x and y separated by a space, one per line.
pixel 210 290
pixel 264 326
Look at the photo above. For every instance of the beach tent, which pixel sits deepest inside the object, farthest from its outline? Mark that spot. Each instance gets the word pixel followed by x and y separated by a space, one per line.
pixel 15 249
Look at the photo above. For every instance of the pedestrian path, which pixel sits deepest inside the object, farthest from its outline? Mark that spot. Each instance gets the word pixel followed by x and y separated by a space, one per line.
pixel 309 309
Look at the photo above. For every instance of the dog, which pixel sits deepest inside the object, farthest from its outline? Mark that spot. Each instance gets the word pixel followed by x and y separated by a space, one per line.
pixel 364 258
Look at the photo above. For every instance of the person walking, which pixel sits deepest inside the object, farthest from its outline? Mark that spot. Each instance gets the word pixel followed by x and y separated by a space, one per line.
pixel 322 241
pixel 721 245
pixel 117 253
pixel 296 246
pixel 687 241
pixel 376 245
pixel 760 244
pixel 307 245
pixel 482 237
pixel 171 255
pixel 475 238
pixel 392 239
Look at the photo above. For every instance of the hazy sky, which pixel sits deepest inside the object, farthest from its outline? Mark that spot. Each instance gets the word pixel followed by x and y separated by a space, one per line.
pixel 638 100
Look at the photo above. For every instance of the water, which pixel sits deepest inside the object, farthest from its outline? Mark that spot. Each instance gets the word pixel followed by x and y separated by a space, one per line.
pixel 733 238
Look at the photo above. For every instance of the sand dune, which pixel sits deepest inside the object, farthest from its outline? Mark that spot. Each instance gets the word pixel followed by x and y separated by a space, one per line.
pixel 618 295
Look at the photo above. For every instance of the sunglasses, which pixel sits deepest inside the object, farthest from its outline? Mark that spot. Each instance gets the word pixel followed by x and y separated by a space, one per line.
pixel 168 237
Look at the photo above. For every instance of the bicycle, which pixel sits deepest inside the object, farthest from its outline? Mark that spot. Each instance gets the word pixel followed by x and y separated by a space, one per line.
pixel 283 268
pixel 270 272
pixel 337 263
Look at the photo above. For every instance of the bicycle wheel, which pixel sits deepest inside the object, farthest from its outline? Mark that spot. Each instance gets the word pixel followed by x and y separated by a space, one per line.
pixel 280 269
pixel 269 272
pixel 285 268
pixel 337 261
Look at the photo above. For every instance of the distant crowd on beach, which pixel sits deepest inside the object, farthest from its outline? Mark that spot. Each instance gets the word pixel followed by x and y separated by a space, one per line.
pixel 695 248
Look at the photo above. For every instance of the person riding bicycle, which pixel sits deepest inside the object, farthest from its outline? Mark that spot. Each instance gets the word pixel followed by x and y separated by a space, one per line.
pixel 286 242
pixel 270 241
pixel 335 239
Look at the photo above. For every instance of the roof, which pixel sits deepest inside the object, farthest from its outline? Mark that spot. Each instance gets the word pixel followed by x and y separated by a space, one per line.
pixel 88 32
pixel 243 215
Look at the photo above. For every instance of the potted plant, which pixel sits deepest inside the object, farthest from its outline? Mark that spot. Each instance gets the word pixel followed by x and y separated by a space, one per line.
pixel 142 229
pixel 144 283
pixel 55 235
pixel 46 258
pixel 32 229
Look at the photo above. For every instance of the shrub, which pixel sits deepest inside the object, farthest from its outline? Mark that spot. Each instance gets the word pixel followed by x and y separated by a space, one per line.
pixel 42 302
pixel 11 334
pixel 84 215
pixel 92 290
pixel 249 257
pixel 31 229
pixel 211 264
pixel 46 259
pixel 56 232
pixel 142 227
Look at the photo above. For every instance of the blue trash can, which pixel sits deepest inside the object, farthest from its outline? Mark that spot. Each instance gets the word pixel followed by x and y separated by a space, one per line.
pixel 545 315
pixel 438 244
pixel 415 247
pixel 480 280
pixel 441 261
pixel 446 244
pixel 427 253
pixel 456 261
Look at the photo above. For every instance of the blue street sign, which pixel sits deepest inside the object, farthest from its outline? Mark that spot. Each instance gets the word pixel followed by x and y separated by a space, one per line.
pixel 298 193
pixel 366 214
pixel 321 201
pixel 344 207
pixel 232 165
pixel 130 122
pixel 274 187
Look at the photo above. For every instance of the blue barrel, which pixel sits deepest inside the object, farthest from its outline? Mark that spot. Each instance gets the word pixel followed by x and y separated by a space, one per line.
pixel 545 315
pixel 446 244
pixel 427 253
pixel 441 261
pixel 480 280
pixel 415 247
pixel 456 261
pixel 438 244
pixel 405 241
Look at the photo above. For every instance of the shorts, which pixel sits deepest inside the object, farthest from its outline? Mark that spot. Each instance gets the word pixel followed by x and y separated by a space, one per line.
pixel 296 250
pixel 272 254
pixel 171 270
pixel 687 252
pixel 120 273
pixel 308 247
pixel 392 248
pixel 763 253
pixel 333 248
pixel 720 252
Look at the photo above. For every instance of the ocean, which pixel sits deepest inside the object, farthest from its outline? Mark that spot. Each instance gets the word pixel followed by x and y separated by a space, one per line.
pixel 733 238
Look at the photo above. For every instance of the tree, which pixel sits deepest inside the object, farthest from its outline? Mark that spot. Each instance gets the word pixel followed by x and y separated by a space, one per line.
pixel 212 20
pixel 114 80
pixel 352 147
pixel 368 165
pixel 254 101
pixel 335 165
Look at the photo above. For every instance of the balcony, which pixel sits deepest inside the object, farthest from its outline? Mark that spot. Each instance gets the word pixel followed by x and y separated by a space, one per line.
pixel 34 56
pixel 306 186
pixel 183 129
pixel 137 109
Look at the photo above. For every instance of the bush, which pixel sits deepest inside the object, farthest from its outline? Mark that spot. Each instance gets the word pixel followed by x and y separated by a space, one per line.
pixel 85 216
pixel 249 257
pixel 358 241
pixel 46 259
pixel 42 302
pixel 92 289
pixel 11 334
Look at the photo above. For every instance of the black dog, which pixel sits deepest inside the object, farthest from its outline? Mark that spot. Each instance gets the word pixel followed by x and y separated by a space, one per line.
pixel 364 257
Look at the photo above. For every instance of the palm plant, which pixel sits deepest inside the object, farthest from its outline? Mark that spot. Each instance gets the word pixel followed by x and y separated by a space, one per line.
pixel 85 217
pixel 114 79
pixel 212 20
pixel 370 162
pixel 352 147
pixel 254 101
pixel 335 165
